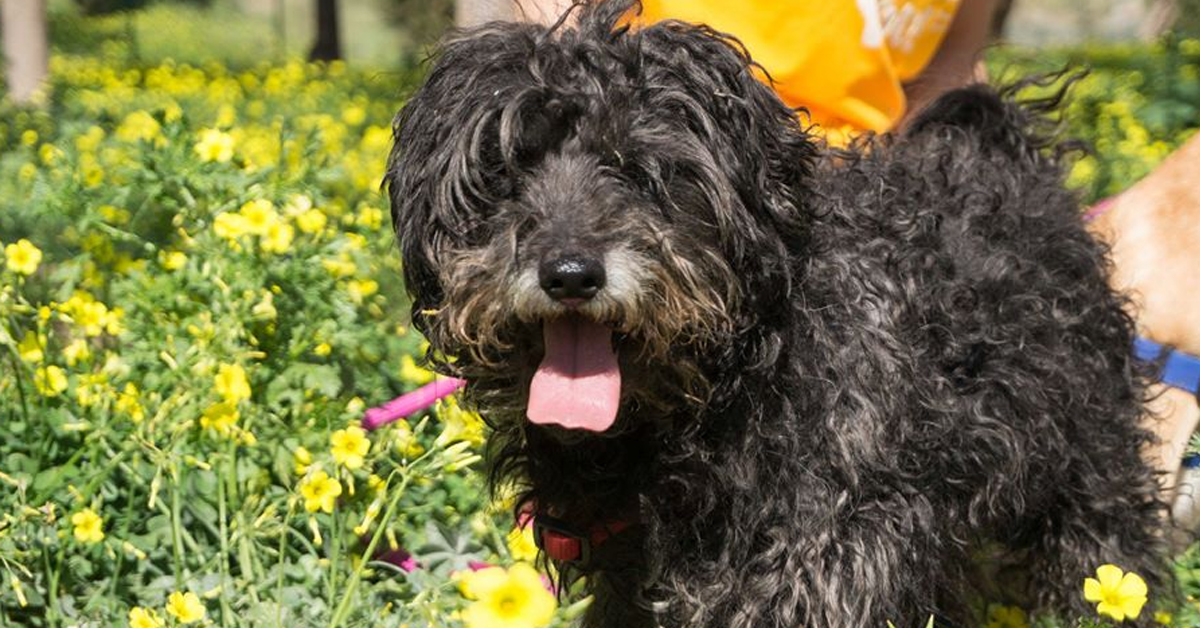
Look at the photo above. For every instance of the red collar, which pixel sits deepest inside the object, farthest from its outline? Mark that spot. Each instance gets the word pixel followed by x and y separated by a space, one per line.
pixel 565 543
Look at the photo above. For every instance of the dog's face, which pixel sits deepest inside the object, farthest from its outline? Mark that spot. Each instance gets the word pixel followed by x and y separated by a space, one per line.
pixel 590 217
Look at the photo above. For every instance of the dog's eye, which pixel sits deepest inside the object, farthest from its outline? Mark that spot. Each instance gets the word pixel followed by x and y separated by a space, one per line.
pixel 542 129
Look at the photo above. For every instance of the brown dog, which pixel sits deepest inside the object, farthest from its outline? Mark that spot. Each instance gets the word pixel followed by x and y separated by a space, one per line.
pixel 1154 231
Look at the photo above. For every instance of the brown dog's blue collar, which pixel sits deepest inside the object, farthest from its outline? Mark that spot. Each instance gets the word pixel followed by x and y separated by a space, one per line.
pixel 1179 370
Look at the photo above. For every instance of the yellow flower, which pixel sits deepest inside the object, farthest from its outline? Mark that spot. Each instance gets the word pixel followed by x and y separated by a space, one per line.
pixel 49 154
pixel 29 137
pixel 138 126
pixel 186 608
pixel 413 374
pixel 114 215
pixel 406 442
pixel 320 492
pixel 112 321
pixel 521 545
pixel 999 616
pixel 226 114
pixel 128 403
pixel 323 349
pixel 50 381
pixel 91 316
pixel 359 289
pixel 173 260
pixel 512 598
pixel 458 424
pixel 92 388
pixel 144 618
pixel 93 174
pixel 1117 594
pixel 23 257
pixel 89 141
pixel 1163 618
pixel 231 383
pixel 88 526
pixel 349 446
pixel 370 217
pixel 278 238
pixel 259 215
pixel 311 221
pixel 297 204
pixel 214 145
pixel 354 115
pixel 230 225
pixel 220 417
pixel 301 459
pixel 30 348
pixel 342 266
pixel 76 351
pixel 355 242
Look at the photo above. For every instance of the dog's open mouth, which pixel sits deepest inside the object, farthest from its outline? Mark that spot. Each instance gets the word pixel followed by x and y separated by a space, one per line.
pixel 578 383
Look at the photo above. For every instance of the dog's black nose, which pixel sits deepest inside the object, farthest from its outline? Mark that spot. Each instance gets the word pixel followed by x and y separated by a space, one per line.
pixel 571 277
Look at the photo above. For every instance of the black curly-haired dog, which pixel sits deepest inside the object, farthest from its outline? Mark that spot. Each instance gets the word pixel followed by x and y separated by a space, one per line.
pixel 767 383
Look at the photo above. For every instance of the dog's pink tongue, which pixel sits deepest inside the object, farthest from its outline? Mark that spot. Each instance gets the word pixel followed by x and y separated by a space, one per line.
pixel 578 384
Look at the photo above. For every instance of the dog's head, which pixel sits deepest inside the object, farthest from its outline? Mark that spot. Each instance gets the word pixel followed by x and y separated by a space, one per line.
pixel 593 217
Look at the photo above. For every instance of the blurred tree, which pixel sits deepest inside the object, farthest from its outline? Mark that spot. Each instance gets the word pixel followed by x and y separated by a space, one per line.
pixel 1000 18
pixel 1181 16
pixel 101 7
pixel 469 13
pixel 25 46
pixel 422 21
pixel 328 45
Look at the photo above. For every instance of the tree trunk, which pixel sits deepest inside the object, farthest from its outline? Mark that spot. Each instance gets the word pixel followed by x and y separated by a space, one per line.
pixel 328 45
pixel 26 49
pixel 1000 18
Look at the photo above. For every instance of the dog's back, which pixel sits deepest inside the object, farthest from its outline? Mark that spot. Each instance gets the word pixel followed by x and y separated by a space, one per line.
pixel 979 357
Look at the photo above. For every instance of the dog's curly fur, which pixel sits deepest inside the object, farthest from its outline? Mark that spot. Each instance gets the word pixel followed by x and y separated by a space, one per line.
pixel 861 385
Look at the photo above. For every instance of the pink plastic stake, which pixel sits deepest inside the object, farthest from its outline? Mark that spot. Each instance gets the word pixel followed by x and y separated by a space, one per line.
pixel 411 403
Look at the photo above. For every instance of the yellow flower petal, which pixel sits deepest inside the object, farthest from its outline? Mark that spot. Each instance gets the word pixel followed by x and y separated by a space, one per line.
pixel 1110 576
pixel 1132 585
pixel 1111 610
pixel 1132 607
pixel 483 582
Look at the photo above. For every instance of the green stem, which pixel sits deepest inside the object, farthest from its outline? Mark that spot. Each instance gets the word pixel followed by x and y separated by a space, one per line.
pixel 52 594
pixel 244 547
pixel 283 534
pixel 16 366
pixel 352 585
pixel 176 528
pixel 223 564
pixel 335 552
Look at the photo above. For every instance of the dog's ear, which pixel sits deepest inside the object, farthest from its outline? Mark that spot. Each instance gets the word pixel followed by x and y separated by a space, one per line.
pixel 447 168
pixel 705 84
pixel 1005 119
